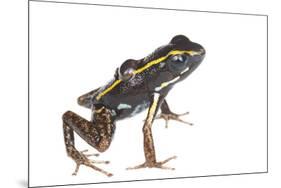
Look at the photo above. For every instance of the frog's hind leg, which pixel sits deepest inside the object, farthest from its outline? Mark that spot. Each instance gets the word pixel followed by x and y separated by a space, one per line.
pixel 98 135
pixel 167 115
pixel 86 99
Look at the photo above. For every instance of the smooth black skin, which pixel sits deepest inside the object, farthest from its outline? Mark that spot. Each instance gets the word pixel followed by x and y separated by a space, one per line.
pixel 140 88
pixel 133 90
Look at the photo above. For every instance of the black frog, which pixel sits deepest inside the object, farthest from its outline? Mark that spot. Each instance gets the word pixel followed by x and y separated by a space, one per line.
pixel 136 86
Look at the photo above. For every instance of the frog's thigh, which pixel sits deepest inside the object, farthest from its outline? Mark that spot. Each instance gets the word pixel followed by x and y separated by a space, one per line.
pixel 85 100
pixel 99 137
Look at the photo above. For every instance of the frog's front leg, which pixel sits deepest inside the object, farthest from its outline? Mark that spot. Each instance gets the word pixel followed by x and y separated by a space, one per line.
pixel 149 151
pixel 97 133
pixel 167 115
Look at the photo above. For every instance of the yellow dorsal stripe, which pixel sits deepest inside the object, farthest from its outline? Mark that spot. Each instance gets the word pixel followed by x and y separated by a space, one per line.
pixel 156 61
pixel 108 89
pixel 151 63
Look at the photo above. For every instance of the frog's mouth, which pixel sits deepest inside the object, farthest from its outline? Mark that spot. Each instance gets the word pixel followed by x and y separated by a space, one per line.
pixel 187 69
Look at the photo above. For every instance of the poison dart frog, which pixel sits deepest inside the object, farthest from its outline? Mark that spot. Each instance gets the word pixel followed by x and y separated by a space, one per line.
pixel 136 85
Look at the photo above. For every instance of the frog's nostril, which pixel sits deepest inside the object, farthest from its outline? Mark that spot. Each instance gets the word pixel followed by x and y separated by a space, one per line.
pixel 203 52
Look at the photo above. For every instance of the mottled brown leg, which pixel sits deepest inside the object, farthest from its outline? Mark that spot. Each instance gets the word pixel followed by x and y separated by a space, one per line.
pixel 149 151
pixel 98 135
pixel 167 115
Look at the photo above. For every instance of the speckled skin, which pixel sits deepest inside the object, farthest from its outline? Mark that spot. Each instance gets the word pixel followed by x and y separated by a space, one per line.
pixel 136 86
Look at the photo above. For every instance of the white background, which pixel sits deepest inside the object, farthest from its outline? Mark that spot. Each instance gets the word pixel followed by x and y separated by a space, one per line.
pixel 14 77
pixel 76 48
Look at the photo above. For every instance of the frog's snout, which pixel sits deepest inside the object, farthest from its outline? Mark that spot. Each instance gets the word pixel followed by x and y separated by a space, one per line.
pixel 200 49
pixel 198 56
pixel 202 54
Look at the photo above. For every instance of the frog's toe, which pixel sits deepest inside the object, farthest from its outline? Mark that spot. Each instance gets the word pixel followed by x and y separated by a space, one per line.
pixel 89 164
pixel 154 165
pixel 100 162
pixel 89 155
pixel 136 167
pixel 172 116
pixel 81 158
pixel 160 164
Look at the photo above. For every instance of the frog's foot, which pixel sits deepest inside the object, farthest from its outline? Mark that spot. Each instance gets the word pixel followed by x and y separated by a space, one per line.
pixel 172 116
pixel 154 164
pixel 81 158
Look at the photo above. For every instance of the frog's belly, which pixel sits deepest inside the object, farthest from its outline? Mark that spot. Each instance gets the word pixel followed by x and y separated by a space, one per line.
pixel 127 106
pixel 124 110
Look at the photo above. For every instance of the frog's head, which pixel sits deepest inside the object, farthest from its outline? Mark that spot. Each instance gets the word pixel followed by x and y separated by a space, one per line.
pixel 184 57
pixel 166 66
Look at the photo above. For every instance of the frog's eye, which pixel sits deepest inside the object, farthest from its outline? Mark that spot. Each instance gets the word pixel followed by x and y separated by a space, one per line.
pixel 179 59
pixel 126 74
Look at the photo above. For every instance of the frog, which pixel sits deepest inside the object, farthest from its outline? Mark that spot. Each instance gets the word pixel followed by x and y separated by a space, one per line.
pixel 136 85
